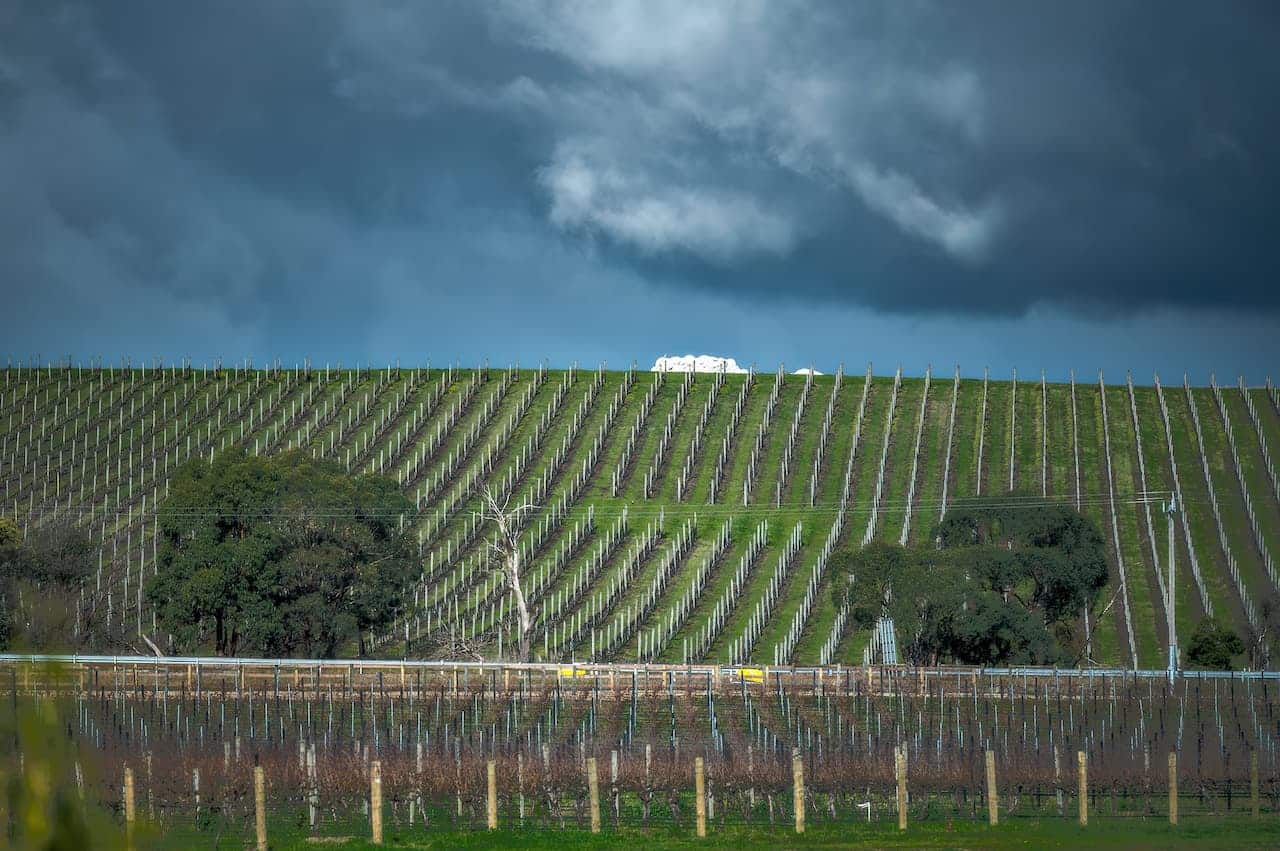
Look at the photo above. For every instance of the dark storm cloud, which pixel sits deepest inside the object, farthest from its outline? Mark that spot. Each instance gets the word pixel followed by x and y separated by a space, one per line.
pixel 285 171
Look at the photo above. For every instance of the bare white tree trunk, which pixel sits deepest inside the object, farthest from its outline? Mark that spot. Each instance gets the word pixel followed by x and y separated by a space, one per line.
pixel 507 550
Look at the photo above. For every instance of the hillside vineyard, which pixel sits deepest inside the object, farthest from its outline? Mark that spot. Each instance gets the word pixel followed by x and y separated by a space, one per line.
pixel 680 517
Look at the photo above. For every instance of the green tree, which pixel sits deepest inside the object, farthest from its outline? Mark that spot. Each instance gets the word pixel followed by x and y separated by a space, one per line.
pixel 1006 586
pixel 40 578
pixel 943 609
pixel 1213 646
pixel 10 536
pixel 279 555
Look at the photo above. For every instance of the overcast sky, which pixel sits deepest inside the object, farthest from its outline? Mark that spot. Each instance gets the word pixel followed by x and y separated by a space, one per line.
pixel 1012 184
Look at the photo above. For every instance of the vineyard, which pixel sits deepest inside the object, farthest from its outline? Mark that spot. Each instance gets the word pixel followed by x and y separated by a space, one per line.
pixel 680 518
pixel 204 750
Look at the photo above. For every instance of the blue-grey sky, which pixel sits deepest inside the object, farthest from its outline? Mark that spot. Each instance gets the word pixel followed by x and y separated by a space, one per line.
pixel 1032 185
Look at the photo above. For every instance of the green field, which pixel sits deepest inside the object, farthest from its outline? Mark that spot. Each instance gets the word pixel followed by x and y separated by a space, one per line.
pixel 101 444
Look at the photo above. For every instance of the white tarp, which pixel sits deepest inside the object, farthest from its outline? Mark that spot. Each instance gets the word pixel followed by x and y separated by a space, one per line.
pixel 696 363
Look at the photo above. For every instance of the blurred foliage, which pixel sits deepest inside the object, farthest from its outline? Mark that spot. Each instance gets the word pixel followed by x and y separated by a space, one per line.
pixel 45 781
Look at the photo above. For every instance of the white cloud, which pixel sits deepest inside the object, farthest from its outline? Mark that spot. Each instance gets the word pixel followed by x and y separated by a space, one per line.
pixel 658 215
pixel 962 232
pixel 777 91
pixel 775 101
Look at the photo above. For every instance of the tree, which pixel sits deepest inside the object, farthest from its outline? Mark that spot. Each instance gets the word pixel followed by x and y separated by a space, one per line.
pixel 506 551
pixel 1005 587
pixel 40 578
pixel 942 609
pixel 279 555
pixel 1213 645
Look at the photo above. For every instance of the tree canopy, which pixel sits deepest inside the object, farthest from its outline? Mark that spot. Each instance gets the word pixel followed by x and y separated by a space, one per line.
pixel 279 555
pixel 1005 586
pixel 1213 646
pixel 40 576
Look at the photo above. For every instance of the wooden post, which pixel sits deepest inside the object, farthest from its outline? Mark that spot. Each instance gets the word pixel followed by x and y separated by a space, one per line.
pixel 313 787
pixel 797 777
pixel 375 800
pixel 260 806
pixel 700 792
pixel 1253 783
pixel 129 809
pixel 520 781
pixel 593 789
pixel 1083 769
pixel 493 795
pixel 1173 787
pixel 1057 785
pixel 900 769
pixel 993 802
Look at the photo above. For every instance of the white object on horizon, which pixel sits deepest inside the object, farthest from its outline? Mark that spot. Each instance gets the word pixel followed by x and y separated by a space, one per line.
pixel 696 363
pixel 807 370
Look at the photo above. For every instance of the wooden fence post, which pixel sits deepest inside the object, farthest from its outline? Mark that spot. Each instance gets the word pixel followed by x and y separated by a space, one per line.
pixel 1253 783
pixel 313 787
pixel 700 793
pixel 129 809
pixel 1083 770
pixel 520 782
pixel 900 770
pixel 593 791
pixel 260 807
pixel 993 802
pixel 1173 787
pixel 1057 784
pixel 797 777
pixel 375 800
pixel 493 795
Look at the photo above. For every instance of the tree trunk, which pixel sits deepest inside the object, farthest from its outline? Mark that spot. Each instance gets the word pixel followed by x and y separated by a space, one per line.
pixel 522 607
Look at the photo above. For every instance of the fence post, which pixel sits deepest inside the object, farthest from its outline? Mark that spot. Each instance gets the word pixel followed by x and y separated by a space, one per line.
pixel 797 777
pixel 375 800
pixel 993 803
pixel 700 793
pixel 520 781
pixel 1057 784
pixel 593 791
pixel 1253 783
pixel 613 785
pixel 1083 770
pixel 1173 787
pixel 129 809
pixel 313 787
pixel 260 807
pixel 900 770
pixel 493 795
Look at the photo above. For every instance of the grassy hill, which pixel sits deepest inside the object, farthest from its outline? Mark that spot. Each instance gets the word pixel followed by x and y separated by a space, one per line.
pixel 638 478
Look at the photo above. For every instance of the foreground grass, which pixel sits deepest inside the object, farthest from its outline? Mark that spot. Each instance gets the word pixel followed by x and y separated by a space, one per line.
pixel 1204 831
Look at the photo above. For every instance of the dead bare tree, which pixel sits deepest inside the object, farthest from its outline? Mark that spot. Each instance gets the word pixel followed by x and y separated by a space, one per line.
pixel 506 551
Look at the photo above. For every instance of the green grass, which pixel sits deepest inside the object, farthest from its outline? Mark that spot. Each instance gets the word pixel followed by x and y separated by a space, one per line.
pixel 1110 641
pixel 1155 448
pixel 1144 592
pixel 1230 503
pixel 897 474
pixel 1204 536
pixel 939 832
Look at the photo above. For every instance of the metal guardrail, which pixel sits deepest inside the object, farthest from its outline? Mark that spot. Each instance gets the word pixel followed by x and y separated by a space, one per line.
pixel 721 670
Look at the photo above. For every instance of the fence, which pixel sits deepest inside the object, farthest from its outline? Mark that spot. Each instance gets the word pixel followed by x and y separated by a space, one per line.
pixel 455 746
